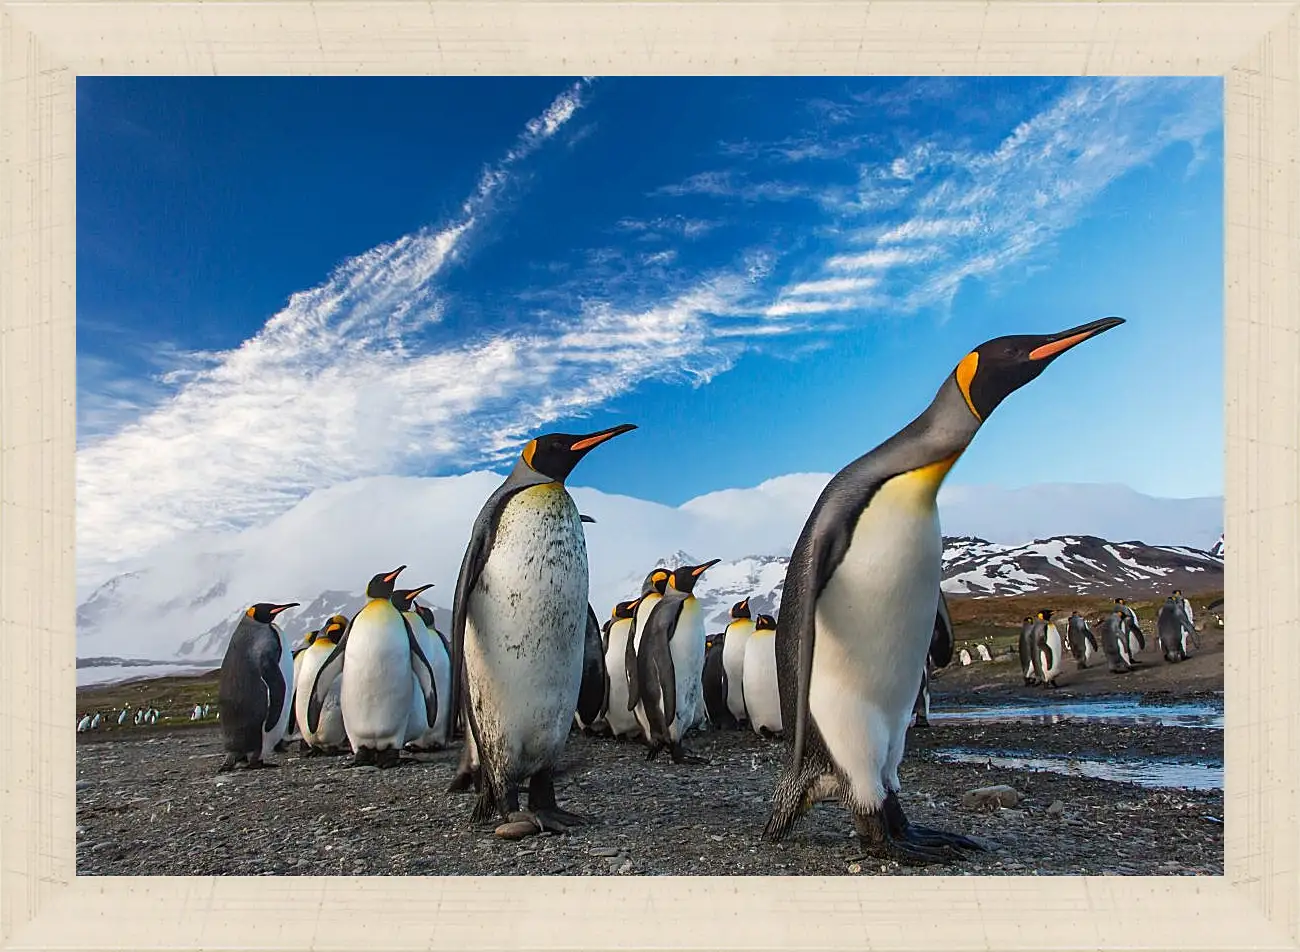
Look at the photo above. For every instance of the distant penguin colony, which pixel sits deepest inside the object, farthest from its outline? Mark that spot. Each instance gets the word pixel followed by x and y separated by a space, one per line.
pixel 836 677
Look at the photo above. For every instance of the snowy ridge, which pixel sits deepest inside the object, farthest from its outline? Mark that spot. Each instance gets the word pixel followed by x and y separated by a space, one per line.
pixel 181 602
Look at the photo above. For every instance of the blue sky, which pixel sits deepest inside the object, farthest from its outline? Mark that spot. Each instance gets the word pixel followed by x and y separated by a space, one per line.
pixel 284 284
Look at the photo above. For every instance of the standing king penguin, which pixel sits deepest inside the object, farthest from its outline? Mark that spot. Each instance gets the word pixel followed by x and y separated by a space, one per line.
pixel 738 631
pixel 761 680
pixel 665 680
pixel 859 604
pixel 1083 644
pixel 594 691
pixel 423 734
pixel 375 657
pixel 519 631
pixel 715 681
pixel 618 629
pixel 939 656
pixel 329 737
pixel 255 687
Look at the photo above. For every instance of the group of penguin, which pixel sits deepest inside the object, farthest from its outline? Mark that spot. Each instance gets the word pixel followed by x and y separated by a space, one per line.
pixel 861 618
pixel 650 671
pixel 392 693
pixel 1042 653
pixel 93 722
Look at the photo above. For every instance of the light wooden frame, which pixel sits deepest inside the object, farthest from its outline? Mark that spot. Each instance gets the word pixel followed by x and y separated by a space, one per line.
pixel 45 45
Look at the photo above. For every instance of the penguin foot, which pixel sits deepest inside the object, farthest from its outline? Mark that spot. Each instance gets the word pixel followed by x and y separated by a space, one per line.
pixel 364 757
pixel 280 747
pixel 389 757
pixel 307 751
pixel 554 819
pixel 681 755
pixel 229 763
pixel 464 780
pixel 930 837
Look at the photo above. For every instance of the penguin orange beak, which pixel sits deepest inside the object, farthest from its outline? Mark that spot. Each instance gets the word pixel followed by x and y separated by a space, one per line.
pixel 279 608
pixel 1057 344
pixel 394 573
pixel 587 519
pixel 422 588
pixel 699 570
pixel 745 603
pixel 595 439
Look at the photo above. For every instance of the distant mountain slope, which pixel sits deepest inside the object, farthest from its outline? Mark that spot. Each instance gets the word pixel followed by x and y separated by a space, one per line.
pixel 183 602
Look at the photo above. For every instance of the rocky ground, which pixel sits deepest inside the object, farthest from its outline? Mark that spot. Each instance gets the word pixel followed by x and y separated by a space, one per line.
pixel 156 806
pixel 149 801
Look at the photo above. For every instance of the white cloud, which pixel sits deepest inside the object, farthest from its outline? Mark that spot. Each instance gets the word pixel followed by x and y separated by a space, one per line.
pixel 876 260
pixel 830 286
pixel 336 538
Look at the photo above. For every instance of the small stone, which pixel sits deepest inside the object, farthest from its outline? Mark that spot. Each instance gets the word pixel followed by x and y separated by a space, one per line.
pixel 999 795
pixel 85 784
pixel 603 851
pixel 1056 809
pixel 855 867
pixel 516 829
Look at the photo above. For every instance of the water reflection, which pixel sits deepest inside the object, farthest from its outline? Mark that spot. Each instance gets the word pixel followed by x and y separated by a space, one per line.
pixel 1147 773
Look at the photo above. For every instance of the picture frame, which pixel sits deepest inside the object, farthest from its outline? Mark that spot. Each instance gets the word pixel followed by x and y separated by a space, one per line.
pixel 44 46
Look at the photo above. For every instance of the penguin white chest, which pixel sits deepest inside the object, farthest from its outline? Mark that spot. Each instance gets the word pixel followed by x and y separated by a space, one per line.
pixel 733 662
pixel 525 628
pixel 875 618
pixel 375 696
pixel 276 734
pixel 619 718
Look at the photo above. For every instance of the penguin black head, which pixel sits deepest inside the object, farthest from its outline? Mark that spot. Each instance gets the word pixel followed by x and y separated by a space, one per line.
pixel 999 367
pixel 265 612
pixel 1178 593
pixel 717 639
pixel 426 615
pixel 381 586
pixel 624 609
pixel 1119 601
pixel 555 454
pixel 333 628
pixel 403 597
pixel 1046 613
pixel 684 577
pixel 765 623
pixel 740 609
pixel 656 581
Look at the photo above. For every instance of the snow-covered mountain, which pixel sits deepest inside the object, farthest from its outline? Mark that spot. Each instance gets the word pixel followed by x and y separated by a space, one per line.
pixel 183 601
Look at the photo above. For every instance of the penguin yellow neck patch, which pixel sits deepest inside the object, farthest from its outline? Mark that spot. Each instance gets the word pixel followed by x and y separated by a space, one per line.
pixel 965 374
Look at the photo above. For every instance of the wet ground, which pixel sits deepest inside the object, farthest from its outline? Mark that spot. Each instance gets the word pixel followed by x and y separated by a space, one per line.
pixel 1122 785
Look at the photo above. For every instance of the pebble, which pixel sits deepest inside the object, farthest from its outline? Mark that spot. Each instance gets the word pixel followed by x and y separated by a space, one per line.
pixel 604 851
pixel 1056 809
pixel 999 795
pixel 85 784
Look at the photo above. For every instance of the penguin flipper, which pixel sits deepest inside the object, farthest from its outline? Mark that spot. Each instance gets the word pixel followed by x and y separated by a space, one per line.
pixel 325 677
pixel 630 666
pixel 941 642
pixel 276 689
pixel 590 705
pixel 423 674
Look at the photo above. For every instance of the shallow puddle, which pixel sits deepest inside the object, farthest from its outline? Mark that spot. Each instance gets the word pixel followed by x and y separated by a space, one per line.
pixel 1147 773
pixel 1121 712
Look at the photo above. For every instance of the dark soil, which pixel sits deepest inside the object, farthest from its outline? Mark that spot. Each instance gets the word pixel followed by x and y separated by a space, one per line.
pixel 156 806
pixel 150 802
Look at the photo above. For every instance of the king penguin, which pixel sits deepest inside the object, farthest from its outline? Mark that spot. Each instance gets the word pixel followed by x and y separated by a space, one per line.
pixel 763 700
pixel 665 682
pixel 594 691
pixel 329 737
pixel 738 630
pixel 253 688
pixel 939 656
pixel 618 627
pixel 375 657
pixel 1135 638
pixel 1028 656
pixel 715 681
pixel 1047 646
pixel 1083 645
pixel 859 602
pixel 652 589
pixel 1190 629
pixel 1172 625
pixel 423 734
pixel 298 651
pixel 519 632
pixel 1114 642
